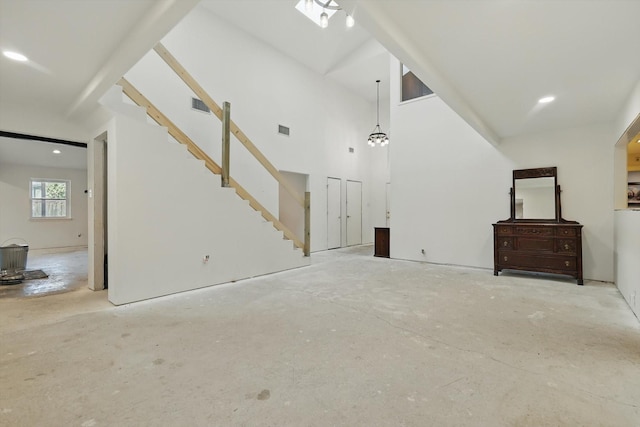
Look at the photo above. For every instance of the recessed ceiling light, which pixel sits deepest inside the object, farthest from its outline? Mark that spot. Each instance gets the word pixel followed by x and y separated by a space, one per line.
pixel 57 151
pixel 14 55
pixel 546 99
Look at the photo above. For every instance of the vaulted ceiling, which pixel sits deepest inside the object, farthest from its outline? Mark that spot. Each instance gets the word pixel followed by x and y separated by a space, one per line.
pixel 489 60
pixel 492 60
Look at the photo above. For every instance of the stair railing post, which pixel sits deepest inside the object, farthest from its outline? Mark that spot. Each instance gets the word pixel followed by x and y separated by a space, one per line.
pixel 226 139
pixel 307 223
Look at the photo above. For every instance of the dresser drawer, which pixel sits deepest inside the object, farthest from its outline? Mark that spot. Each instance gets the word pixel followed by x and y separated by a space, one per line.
pixel 505 242
pixel 523 261
pixel 502 229
pixel 566 231
pixel 566 246
pixel 535 244
pixel 533 231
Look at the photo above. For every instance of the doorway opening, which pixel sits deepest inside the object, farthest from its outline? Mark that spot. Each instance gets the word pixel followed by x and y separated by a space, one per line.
pixel 334 213
pixel 354 213
pixel 289 211
pixel 98 223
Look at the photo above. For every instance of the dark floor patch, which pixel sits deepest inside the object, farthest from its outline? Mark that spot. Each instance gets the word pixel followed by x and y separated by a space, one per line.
pixel 158 361
pixel 126 334
pixel 34 274
pixel 264 395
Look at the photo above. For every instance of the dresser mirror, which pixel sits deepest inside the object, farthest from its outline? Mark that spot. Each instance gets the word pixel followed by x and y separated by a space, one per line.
pixel 534 195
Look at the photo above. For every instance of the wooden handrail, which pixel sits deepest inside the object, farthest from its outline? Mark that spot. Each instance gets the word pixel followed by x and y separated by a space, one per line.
pixel 137 97
pixel 217 111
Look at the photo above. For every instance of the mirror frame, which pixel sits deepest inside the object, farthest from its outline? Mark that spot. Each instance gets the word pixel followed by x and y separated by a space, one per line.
pixel 550 172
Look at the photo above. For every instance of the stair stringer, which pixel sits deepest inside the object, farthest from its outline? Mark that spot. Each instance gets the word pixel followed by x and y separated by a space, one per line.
pixel 166 213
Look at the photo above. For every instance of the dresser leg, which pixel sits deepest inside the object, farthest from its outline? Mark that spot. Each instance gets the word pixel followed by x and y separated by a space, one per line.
pixel 580 282
pixel 495 272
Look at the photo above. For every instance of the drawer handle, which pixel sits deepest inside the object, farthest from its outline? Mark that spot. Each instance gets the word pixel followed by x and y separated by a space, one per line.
pixel 506 243
pixel 566 263
pixel 506 259
pixel 565 232
pixel 566 247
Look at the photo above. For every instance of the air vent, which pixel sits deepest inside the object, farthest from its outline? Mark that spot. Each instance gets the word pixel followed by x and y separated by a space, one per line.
pixel 283 130
pixel 351 150
pixel 197 104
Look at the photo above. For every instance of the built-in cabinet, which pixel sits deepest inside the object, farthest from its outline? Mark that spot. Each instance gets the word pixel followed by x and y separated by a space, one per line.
pixel 381 246
pixel 536 237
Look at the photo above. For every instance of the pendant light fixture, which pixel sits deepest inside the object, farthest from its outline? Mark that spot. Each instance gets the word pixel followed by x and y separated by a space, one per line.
pixel 308 5
pixel 324 19
pixel 378 137
pixel 311 9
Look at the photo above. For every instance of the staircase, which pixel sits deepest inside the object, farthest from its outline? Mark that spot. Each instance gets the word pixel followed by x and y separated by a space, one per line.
pixel 172 227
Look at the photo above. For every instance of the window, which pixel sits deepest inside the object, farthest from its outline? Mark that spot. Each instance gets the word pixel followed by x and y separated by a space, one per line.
pixel 49 198
pixel 412 86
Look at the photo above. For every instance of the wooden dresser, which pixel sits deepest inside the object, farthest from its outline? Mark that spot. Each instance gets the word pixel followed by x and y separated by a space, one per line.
pixel 549 244
pixel 538 246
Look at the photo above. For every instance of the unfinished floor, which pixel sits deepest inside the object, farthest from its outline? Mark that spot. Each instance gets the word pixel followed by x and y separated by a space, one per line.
pixel 352 340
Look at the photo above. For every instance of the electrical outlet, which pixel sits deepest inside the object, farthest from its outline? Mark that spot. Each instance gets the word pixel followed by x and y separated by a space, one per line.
pixel 422 251
pixel 205 259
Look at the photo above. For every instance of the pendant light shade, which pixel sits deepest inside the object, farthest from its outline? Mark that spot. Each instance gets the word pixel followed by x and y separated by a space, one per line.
pixel 350 21
pixel 324 20
pixel 377 137
pixel 308 5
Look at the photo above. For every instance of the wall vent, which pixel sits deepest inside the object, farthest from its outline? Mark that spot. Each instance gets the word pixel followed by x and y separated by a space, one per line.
pixel 283 130
pixel 351 150
pixel 197 104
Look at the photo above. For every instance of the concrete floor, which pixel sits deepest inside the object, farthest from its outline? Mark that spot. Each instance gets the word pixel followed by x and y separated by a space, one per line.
pixel 352 340
pixel 67 272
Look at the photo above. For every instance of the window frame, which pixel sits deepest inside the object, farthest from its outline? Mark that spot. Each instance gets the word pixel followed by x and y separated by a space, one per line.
pixel 67 199
pixel 406 101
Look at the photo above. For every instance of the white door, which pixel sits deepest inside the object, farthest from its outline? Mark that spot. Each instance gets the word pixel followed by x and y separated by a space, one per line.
pixel 334 213
pixel 354 213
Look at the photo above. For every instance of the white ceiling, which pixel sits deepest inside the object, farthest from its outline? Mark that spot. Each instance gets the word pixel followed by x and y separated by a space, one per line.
pixel 37 153
pixel 349 56
pixel 489 60
pixel 492 60
pixel 77 49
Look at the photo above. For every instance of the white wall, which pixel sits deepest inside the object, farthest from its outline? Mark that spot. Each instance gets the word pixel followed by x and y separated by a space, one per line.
pixel 166 212
pixel 380 173
pixel 627 222
pixel 627 254
pixel 450 184
pixel 15 208
pixel 265 88
pixel 630 110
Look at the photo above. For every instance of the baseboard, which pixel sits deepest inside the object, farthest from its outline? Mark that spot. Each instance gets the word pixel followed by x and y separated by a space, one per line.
pixel 44 251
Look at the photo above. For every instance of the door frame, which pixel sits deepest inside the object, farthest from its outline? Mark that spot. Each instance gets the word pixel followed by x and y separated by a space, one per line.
pixel 97 203
pixel 347 211
pixel 340 212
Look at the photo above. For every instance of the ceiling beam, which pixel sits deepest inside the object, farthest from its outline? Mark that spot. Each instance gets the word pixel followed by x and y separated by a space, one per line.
pixel 152 27
pixel 27 137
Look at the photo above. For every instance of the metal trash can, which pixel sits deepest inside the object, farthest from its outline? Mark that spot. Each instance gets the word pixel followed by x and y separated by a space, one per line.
pixel 13 257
